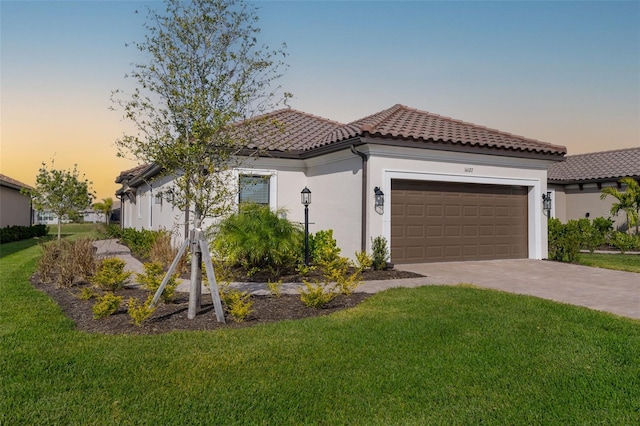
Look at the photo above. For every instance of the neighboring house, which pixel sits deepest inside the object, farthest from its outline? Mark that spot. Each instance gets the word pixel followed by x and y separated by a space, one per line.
pixel 451 190
pixel 47 217
pixel 92 216
pixel 15 208
pixel 575 185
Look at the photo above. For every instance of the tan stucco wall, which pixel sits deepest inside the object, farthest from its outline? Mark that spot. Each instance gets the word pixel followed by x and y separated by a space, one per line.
pixel 15 208
pixel 577 202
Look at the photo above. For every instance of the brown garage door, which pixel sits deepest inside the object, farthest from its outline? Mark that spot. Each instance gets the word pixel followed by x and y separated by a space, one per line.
pixel 446 221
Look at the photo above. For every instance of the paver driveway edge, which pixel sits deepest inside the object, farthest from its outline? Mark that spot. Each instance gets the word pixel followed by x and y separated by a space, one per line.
pixel 617 292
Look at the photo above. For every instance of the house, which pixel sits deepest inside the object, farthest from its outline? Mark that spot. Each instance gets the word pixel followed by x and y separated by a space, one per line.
pixel 438 189
pixel 576 184
pixel 15 207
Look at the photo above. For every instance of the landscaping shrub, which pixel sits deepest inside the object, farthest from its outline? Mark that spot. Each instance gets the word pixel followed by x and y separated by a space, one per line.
pixel 624 242
pixel 87 293
pixel 316 295
pixel 9 234
pixel 238 304
pixel 152 278
pixel 111 274
pixel 364 260
pixel 106 305
pixel 275 288
pixel 83 255
pixel 111 230
pixel 64 262
pixel 257 238
pixel 380 253
pixel 139 241
pixel 323 248
pixel 565 240
pixel 164 252
pixel 48 263
pixel 140 312
pixel 602 228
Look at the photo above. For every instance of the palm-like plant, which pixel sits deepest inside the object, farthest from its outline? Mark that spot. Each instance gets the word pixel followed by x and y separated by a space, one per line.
pixel 628 201
pixel 256 237
pixel 105 207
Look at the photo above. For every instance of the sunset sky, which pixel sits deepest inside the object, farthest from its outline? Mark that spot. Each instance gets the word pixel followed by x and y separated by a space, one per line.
pixel 566 73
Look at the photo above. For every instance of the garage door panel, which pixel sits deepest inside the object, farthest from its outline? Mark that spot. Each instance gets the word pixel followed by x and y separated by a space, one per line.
pixel 444 221
pixel 414 231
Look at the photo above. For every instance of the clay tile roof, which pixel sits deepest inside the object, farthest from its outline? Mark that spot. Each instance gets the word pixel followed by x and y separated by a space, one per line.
pixel 287 130
pixel 12 183
pixel 130 173
pixel 401 122
pixel 604 165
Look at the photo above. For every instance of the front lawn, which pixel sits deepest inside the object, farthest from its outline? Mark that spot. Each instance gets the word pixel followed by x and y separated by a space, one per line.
pixel 91 230
pixel 621 262
pixel 430 355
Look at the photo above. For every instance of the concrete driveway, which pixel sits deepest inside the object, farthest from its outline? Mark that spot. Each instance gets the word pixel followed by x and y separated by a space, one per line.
pixel 601 289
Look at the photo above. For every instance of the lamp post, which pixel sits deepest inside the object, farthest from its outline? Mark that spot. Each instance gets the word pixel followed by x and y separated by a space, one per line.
pixel 305 197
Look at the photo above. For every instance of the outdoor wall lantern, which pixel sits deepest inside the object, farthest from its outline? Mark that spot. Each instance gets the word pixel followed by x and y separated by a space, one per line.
pixel 305 198
pixel 546 203
pixel 379 202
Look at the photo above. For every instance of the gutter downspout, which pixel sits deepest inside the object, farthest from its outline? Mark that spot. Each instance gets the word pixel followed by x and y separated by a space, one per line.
pixel 363 231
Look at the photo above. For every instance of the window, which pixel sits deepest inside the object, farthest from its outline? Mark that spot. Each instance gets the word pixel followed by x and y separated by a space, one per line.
pixel 254 189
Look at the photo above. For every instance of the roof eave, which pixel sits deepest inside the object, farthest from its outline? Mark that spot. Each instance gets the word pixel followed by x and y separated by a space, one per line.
pixel 594 180
pixel 465 147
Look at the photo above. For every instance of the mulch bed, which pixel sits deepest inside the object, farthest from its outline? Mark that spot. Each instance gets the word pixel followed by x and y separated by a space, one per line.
pixel 173 316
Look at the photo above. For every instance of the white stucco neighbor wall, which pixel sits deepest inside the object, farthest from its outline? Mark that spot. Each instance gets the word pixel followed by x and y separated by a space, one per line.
pixel 389 163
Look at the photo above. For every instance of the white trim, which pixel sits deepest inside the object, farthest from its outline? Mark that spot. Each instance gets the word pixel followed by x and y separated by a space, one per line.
pixel 534 200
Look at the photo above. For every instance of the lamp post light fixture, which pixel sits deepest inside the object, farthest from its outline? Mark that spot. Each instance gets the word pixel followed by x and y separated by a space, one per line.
pixel 305 198
pixel 546 203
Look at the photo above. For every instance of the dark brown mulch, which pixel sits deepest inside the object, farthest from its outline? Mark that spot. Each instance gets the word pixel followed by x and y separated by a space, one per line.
pixel 316 275
pixel 173 316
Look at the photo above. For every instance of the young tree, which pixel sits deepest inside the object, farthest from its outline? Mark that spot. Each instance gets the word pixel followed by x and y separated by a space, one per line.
pixel 628 201
pixel 105 207
pixel 62 192
pixel 205 73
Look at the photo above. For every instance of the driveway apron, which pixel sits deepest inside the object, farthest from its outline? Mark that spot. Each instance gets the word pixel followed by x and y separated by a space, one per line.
pixel 617 292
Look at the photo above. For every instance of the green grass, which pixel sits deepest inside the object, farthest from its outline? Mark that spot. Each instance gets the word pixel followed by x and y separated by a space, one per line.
pixel 92 230
pixel 429 355
pixel 621 262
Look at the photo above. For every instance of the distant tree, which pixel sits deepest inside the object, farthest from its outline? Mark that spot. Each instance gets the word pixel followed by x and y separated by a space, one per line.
pixel 105 207
pixel 62 192
pixel 205 73
pixel 628 201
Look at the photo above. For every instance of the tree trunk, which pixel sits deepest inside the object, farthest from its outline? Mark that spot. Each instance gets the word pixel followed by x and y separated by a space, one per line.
pixel 59 226
pixel 196 265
